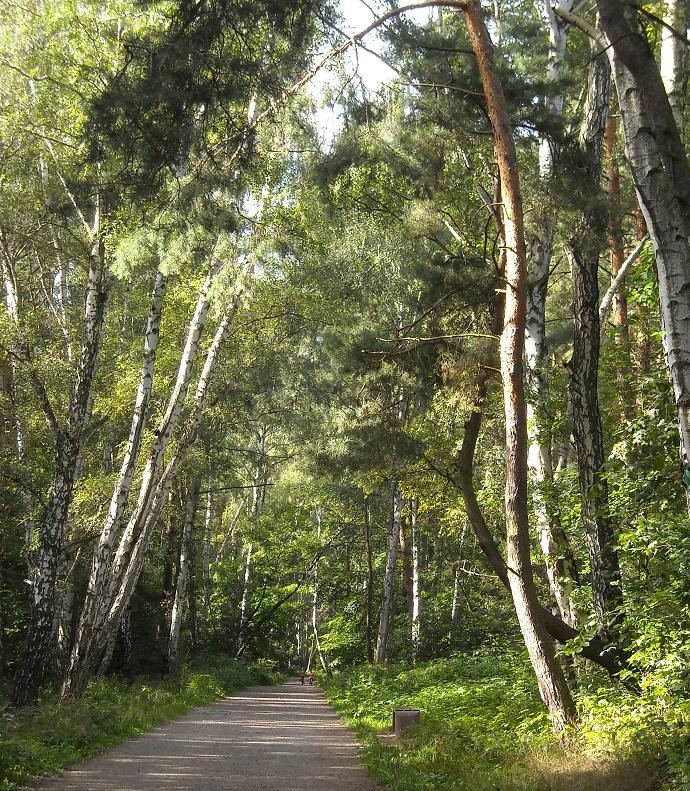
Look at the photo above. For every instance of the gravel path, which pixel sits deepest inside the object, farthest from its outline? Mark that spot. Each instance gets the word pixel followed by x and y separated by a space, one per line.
pixel 284 738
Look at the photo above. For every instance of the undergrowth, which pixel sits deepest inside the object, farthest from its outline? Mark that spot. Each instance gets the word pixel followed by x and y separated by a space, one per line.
pixel 45 738
pixel 483 728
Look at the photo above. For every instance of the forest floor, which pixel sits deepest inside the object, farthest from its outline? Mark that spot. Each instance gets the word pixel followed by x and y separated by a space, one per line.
pixel 281 738
pixel 484 728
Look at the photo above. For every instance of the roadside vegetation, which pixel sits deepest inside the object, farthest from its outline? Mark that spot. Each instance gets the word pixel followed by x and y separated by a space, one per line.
pixel 44 738
pixel 483 728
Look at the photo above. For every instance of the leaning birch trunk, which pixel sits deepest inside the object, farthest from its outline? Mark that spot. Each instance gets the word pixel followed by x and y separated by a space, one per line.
pixel 183 576
pixel 31 663
pixel 129 561
pixel 550 678
pixel 583 251
pixel 416 602
pixel 120 494
pixel 162 490
pixel 383 638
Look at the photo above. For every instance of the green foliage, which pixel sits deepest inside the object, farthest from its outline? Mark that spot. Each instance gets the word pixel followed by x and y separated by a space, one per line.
pixel 45 738
pixel 483 728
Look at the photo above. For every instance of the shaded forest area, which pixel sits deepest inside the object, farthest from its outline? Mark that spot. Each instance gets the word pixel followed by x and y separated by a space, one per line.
pixel 390 382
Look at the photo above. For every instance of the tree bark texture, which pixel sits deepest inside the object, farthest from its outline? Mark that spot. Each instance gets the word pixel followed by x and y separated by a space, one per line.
pixel 183 576
pixel 659 168
pixel 68 445
pixel 382 652
pixel 120 580
pixel 369 582
pixel 583 250
pixel 550 678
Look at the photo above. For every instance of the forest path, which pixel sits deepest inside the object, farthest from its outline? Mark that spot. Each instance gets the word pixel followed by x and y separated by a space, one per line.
pixel 283 738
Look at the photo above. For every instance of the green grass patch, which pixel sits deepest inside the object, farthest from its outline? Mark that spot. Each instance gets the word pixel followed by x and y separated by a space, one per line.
pixel 484 728
pixel 43 739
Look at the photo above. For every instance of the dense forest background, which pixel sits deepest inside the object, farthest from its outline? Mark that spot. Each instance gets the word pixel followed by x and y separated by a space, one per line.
pixel 391 383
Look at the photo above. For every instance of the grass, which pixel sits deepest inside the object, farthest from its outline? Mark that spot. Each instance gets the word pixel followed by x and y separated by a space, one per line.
pixel 484 728
pixel 43 739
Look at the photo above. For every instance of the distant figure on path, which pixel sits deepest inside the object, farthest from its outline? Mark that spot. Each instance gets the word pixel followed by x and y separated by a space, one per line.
pixel 311 679
pixel 301 675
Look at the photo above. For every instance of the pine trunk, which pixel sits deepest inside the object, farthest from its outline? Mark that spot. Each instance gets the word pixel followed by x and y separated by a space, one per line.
pixel 550 677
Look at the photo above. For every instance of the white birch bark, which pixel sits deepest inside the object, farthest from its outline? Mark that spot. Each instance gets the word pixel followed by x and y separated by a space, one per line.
pixel 120 495
pixel 318 516
pixel 100 606
pixel 416 601
pixel 383 638
pixel 31 666
pixel 673 57
pixel 183 576
pixel 669 234
pixel 123 578
pixel 206 553
pixel 552 539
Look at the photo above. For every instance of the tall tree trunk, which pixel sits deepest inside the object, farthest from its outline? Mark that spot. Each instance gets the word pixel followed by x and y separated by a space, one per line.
pixel 616 244
pixel 673 58
pixel 206 558
pixel 659 167
pixel 416 601
pixel 550 678
pixel 406 564
pixel 31 664
pixel 183 576
pixel 583 250
pixel 383 639
pixel 120 494
pixel 560 564
pixel 318 515
pixel 369 583
pixel 154 489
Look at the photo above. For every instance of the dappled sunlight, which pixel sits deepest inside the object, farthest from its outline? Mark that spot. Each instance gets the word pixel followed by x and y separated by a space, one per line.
pixel 276 740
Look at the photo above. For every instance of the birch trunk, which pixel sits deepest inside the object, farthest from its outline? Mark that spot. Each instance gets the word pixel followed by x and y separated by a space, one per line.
pixel 560 564
pixel 583 251
pixel 659 168
pixel 120 494
pixel 206 557
pixel 550 678
pixel 183 576
pixel 416 601
pixel 369 582
pixel 154 490
pixel 383 639
pixel 673 57
pixel 315 596
pixel 31 664
pixel 406 558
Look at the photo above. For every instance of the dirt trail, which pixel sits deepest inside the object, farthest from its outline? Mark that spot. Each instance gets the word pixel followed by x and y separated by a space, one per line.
pixel 284 738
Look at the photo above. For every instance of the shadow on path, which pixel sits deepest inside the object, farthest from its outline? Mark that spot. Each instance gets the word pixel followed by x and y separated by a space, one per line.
pixel 284 738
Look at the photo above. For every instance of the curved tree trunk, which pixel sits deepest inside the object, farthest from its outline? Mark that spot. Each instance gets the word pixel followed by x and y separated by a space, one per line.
pixel 550 678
